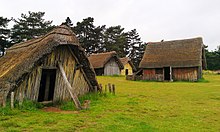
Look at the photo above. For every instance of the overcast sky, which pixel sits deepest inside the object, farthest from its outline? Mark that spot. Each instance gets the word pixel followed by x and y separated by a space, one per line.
pixel 154 19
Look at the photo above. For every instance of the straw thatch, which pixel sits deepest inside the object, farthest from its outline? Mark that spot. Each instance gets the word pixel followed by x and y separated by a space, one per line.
pixel 126 60
pixel 100 59
pixel 21 58
pixel 177 53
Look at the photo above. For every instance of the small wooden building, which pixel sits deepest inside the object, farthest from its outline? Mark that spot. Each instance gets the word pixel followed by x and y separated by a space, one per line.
pixel 129 67
pixel 174 60
pixel 30 69
pixel 106 63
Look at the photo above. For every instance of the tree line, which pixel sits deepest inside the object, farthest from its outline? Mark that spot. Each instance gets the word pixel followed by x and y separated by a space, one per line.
pixel 213 59
pixel 94 39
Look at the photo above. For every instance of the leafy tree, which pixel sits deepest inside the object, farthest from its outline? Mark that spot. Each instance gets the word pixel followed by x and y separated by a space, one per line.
pixel 4 35
pixel 68 22
pixel 30 26
pixel 115 40
pixel 101 39
pixel 135 46
pixel 90 37
pixel 213 59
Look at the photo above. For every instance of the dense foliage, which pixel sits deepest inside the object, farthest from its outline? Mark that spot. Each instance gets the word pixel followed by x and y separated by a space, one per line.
pixel 4 34
pixel 29 26
pixel 97 39
pixel 94 39
pixel 213 59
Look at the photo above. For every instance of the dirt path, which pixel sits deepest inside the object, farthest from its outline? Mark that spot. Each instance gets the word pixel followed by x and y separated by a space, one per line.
pixel 58 110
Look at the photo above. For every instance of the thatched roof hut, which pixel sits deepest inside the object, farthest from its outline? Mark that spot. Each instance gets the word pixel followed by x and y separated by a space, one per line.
pixel 106 63
pixel 129 67
pixel 60 45
pixel 185 54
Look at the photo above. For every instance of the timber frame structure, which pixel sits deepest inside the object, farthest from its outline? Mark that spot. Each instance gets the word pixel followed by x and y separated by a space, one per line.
pixel 174 60
pixel 33 68
pixel 106 63
pixel 129 67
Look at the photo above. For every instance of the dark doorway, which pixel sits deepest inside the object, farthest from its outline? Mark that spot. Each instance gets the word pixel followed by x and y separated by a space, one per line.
pixel 99 71
pixel 126 71
pixel 166 73
pixel 47 85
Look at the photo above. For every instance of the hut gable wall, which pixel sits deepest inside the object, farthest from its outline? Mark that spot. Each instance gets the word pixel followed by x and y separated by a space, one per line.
pixel 31 83
pixel 111 68
pixel 129 68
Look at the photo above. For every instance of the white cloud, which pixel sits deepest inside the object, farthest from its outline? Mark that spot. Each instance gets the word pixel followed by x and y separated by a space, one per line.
pixel 153 19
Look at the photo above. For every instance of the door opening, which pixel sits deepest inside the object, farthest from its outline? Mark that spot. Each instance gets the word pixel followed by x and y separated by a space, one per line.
pixel 167 73
pixel 47 85
pixel 126 71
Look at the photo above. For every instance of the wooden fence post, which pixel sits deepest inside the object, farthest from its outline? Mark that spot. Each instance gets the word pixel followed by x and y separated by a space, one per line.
pixel 96 89
pixel 113 89
pixel 12 99
pixel 109 87
pixel 20 99
pixel 100 88
pixel 105 88
pixel 4 100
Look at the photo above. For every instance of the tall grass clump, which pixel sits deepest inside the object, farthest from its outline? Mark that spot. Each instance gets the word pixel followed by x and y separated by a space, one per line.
pixel 93 97
pixel 27 105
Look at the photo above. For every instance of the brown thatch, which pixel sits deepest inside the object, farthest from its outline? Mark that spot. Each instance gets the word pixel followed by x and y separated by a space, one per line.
pixel 100 59
pixel 177 53
pixel 126 60
pixel 21 58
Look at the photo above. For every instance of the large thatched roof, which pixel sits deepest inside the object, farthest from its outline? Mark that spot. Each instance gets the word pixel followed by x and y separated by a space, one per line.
pixel 126 60
pixel 22 57
pixel 177 53
pixel 100 59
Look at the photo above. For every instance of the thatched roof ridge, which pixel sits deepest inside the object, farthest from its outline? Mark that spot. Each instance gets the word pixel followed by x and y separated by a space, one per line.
pixel 21 58
pixel 176 53
pixel 126 60
pixel 100 59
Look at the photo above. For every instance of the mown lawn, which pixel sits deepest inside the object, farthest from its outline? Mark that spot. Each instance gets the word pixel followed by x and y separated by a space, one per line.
pixel 137 106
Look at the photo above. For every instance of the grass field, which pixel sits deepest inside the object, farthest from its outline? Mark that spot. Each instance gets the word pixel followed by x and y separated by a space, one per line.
pixel 137 106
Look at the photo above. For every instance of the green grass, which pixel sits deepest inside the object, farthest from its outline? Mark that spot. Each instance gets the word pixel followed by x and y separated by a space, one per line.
pixel 137 106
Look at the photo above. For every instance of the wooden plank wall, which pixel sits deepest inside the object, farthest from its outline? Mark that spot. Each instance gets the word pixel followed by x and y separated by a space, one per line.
pixel 150 74
pixel 187 74
pixel 112 68
pixel 31 83
pixel 127 66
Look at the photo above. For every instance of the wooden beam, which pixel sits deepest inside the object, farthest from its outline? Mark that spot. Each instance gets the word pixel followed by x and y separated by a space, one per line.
pixel 12 99
pixel 81 69
pixel 69 87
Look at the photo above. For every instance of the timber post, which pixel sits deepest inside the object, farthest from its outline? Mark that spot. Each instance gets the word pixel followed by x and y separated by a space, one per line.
pixel 100 88
pixel 20 99
pixel 113 89
pixel 109 87
pixel 3 103
pixel 12 99
pixel 105 88
pixel 69 88
pixel 96 89
pixel 4 99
